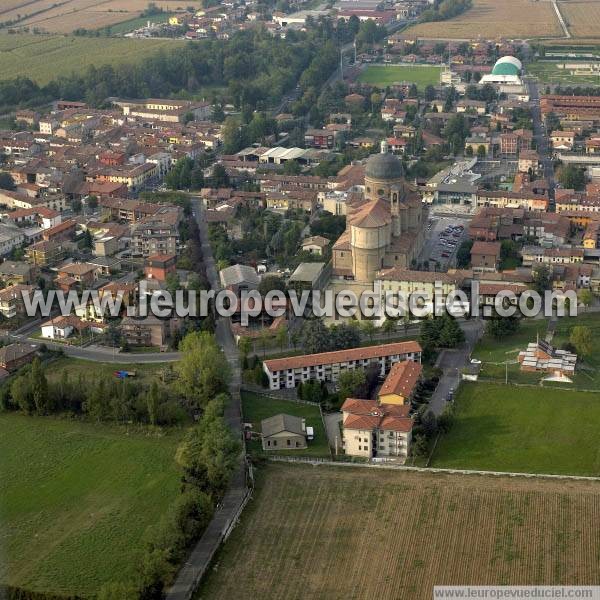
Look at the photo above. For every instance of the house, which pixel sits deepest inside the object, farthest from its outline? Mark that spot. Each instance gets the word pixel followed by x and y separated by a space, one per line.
pixel 14 356
pixel 485 256
pixel 157 233
pixel 11 300
pixel 239 277
pixel 62 327
pixel 82 273
pixel 315 244
pixel 562 140
pixel 319 138
pixel 401 382
pixel 372 430
pixel 159 266
pixel 327 366
pixel 147 331
pixel 45 254
pixel 14 272
pixel 283 432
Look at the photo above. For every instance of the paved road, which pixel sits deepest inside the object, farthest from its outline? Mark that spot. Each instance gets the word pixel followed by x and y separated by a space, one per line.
pixel 539 134
pixel 452 361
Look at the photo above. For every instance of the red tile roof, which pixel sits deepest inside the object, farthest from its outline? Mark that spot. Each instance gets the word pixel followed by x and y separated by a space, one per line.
pixel 402 379
pixel 338 356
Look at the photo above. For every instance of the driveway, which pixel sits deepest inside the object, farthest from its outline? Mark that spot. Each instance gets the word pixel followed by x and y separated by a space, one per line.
pixel 332 428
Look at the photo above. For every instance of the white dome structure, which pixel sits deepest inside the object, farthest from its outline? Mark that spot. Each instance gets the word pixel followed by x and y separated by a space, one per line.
pixel 507 70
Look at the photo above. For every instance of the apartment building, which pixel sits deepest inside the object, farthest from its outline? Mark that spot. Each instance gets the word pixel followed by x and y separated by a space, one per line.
pixel 373 430
pixel 327 366
pixel 157 233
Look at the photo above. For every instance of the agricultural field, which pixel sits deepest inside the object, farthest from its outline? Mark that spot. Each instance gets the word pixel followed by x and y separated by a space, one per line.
pixel 256 407
pixel 582 17
pixel 382 76
pixel 341 533
pixel 64 16
pixel 43 58
pixel 493 19
pixel 75 517
pixel 522 429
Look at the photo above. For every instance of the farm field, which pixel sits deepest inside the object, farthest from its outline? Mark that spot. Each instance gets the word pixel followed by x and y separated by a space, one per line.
pixel 383 76
pixel 582 17
pixel 492 19
pixel 43 58
pixel 63 16
pixel 524 429
pixel 255 408
pixel 335 533
pixel 75 518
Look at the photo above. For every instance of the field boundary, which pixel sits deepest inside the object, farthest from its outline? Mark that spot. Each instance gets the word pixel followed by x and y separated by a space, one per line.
pixel 329 463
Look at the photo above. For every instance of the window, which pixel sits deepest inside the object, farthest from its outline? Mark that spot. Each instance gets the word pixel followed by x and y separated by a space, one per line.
pixel 380 192
pixel 274 442
pixel 289 442
pixel 268 442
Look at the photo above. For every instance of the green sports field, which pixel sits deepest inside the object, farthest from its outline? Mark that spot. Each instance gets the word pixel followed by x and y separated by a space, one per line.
pixel 76 499
pixel 382 76
pixel 46 57
pixel 522 429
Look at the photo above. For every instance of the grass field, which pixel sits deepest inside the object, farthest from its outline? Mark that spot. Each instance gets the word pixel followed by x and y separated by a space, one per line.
pixel 256 408
pixel 587 375
pixel 490 19
pixel 43 58
pixel 522 429
pixel 495 353
pixel 64 16
pixel 382 76
pixel 76 499
pixel 354 533
pixel 583 18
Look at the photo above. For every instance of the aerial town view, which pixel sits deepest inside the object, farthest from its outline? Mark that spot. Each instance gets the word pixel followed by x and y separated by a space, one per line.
pixel 299 299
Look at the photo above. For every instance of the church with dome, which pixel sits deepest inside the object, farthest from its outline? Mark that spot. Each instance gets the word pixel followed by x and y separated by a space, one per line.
pixel 385 228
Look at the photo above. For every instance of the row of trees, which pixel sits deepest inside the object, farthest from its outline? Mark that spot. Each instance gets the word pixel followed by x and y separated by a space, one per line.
pixel 256 67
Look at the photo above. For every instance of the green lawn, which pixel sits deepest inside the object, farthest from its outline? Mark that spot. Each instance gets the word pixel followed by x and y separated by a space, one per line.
pixel 76 499
pixel 494 353
pixel 382 76
pixel 45 57
pixel 587 375
pixel 75 367
pixel 522 429
pixel 256 407
pixel 136 23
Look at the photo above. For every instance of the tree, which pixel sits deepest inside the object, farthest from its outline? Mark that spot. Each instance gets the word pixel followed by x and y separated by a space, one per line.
pixel 582 340
pixel 463 255
pixel 6 181
pixel 292 167
pixel 541 279
pixel 92 201
pixel 39 387
pixel 500 327
pixel 572 177
pixel 271 283
pixel 203 370
pixel 197 179
pixel 314 336
pixel 345 335
pixel 586 297
pixel 481 152
pixel 219 176
pixel 352 384
pixel 368 328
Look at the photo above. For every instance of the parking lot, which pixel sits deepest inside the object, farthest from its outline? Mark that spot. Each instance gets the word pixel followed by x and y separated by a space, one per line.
pixel 444 236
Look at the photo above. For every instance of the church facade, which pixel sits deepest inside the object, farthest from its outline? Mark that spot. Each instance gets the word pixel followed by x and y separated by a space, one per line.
pixel 386 228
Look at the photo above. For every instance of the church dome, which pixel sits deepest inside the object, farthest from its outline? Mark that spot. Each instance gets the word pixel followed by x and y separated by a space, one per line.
pixel 383 166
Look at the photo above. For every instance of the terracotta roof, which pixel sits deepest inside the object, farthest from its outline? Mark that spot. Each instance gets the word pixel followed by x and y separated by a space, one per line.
pixel 396 424
pixel 325 358
pixel 486 248
pixel 373 214
pixel 361 422
pixel 402 379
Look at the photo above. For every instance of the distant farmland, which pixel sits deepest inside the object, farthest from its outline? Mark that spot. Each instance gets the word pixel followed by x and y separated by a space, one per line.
pixel 583 18
pixel 354 533
pixel 43 58
pixel 382 76
pixel 63 16
pixel 491 19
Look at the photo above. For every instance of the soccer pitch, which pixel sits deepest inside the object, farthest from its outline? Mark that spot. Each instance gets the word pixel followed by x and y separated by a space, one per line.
pixel 382 75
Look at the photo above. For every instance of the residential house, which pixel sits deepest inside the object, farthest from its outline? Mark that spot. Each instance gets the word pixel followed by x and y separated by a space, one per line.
pixel 11 300
pixel 485 256
pixel 283 432
pixel 14 356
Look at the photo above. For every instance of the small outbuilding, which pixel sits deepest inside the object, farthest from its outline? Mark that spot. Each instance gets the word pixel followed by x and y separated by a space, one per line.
pixel 283 432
